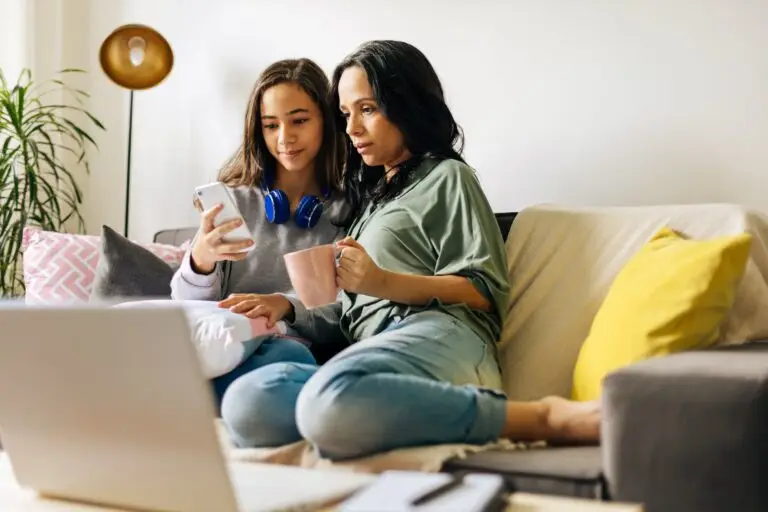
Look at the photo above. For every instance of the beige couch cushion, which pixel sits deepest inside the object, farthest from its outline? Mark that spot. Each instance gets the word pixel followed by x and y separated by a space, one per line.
pixel 562 262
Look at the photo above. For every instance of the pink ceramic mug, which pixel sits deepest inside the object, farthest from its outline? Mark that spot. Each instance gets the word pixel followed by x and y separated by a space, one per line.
pixel 313 275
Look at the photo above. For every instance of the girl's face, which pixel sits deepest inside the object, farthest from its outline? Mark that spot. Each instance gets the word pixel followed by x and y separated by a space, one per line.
pixel 378 140
pixel 292 127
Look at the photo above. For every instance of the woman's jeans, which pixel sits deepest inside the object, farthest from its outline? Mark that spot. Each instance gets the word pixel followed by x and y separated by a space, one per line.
pixel 425 379
pixel 273 350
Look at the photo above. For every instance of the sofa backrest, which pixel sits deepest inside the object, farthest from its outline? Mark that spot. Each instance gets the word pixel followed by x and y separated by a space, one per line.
pixel 174 236
pixel 563 260
pixel 505 221
pixel 180 235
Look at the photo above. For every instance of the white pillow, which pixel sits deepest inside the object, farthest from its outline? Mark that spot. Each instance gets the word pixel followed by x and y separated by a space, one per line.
pixel 223 339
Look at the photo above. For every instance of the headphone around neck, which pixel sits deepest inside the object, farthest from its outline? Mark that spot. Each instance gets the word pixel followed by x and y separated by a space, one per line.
pixel 278 208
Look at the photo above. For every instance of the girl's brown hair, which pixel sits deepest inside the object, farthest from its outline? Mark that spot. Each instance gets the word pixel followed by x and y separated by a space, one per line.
pixel 246 167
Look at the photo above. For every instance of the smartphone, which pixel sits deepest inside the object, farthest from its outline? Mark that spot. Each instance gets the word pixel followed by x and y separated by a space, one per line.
pixel 217 193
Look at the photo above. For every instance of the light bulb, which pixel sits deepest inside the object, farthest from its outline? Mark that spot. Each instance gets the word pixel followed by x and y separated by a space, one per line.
pixel 136 47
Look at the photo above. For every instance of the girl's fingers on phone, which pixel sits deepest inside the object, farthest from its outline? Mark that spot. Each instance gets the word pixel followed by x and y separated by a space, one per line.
pixel 227 227
pixel 225 248
pixel 214 237
pixel 237 246
pixel 208 217
pixel 245 244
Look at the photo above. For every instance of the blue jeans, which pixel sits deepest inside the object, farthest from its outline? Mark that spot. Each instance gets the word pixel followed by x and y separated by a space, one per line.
pixel 426 379
pixel 273 350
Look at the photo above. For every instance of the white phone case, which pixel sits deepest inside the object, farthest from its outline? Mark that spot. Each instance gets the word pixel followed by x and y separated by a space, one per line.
pixel 217 193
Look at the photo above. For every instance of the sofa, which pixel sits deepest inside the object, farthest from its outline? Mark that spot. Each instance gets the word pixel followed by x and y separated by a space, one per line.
pixel 686 432
pixel 681 432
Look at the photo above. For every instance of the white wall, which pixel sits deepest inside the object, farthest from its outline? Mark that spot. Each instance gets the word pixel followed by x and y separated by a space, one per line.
pixel 47 36
pixel 13 47
pixel 597 102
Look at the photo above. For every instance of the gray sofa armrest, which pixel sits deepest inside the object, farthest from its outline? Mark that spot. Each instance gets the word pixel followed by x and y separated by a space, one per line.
pixel 689 432
pixel 174 236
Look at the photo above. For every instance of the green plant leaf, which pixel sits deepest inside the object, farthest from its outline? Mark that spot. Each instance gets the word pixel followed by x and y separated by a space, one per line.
pixel 12 114
pixel 45 110
pixel 25 77
pixel 20 102
pixel 82 133
pixel 42 144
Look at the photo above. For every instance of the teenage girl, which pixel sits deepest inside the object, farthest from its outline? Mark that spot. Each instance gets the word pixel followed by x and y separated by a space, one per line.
pixel 285 178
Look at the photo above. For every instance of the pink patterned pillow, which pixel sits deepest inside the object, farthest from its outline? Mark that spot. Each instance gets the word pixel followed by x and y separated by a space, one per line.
pixel 60 267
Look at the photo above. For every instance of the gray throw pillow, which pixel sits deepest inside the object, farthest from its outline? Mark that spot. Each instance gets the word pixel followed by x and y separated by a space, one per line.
pixel 126 270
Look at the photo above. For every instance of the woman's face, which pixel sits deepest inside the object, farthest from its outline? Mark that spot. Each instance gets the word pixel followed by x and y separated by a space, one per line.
pixel 378 140
pixel 292 127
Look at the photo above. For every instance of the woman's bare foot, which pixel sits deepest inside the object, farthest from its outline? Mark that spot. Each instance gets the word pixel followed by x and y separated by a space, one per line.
pixel 553 419
pixel 568 421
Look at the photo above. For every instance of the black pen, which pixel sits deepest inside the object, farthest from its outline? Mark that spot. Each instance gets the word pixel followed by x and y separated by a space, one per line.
pixel 455 481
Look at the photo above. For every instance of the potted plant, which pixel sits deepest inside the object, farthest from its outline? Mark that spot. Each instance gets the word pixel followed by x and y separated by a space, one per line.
pixel 41 146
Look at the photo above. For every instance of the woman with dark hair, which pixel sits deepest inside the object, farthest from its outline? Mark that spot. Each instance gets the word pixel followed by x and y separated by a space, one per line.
pixel 424 283
pixel 286 180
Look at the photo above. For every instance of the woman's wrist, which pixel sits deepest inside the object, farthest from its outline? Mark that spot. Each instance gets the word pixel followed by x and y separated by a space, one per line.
pixel 383 283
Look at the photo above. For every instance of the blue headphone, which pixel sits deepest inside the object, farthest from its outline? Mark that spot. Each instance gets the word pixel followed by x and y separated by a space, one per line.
pixel 278 208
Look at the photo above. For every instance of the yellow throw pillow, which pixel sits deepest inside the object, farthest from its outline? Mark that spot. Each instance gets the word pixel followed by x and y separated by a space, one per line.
pixel 671 296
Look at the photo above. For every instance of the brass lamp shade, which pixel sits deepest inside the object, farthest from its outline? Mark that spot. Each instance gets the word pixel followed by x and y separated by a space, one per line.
pixel 136 57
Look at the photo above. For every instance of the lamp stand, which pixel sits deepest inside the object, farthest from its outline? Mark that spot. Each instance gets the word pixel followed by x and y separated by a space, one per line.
pixel 136 57
pixel 128 170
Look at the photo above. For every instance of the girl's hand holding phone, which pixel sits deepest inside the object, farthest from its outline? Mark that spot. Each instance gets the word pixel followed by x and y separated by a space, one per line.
pixel 209 248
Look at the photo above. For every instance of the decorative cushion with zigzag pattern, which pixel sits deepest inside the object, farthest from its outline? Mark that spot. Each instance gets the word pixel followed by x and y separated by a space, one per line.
pixel 60 267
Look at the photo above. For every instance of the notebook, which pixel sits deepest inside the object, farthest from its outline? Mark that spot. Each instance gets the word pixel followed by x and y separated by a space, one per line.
pixel 394 491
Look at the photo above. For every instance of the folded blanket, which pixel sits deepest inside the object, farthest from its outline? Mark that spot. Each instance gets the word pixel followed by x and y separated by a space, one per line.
pixel 428 458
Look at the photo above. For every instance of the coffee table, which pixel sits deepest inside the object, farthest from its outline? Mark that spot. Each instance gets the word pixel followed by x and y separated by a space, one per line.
pixel 13 497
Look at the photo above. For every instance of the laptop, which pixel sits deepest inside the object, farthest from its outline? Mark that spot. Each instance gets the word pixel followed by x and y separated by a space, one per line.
pixel 109 406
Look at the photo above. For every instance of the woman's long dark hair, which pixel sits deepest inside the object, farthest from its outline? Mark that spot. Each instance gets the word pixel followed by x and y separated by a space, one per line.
pixel 408 91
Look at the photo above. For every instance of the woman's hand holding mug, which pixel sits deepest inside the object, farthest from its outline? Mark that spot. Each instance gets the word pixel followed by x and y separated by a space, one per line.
pixel 356 271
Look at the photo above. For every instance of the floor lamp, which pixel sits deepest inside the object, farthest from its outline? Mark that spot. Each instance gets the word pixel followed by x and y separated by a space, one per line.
pixel 135 57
